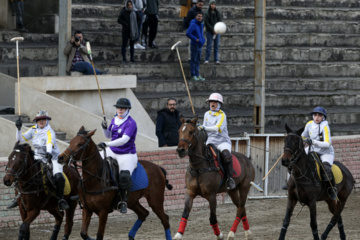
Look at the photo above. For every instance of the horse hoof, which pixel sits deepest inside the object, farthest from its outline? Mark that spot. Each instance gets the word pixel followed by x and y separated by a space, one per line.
pixel 178 236
pixel 231 235
pixel 248 235
pixel 220 236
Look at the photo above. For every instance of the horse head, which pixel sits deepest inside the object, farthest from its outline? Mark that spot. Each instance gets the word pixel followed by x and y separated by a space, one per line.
pixel 19 160
pixel 187 136
pixel 77 146
pixel 293 146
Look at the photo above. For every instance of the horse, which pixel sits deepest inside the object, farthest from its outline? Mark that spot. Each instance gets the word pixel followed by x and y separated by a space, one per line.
pixel 34 195
pixel 203 178
pixel 305 187
pixel 98 197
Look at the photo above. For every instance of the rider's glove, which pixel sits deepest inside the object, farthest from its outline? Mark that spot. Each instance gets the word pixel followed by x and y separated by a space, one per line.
pixel 18 124
pixel 104 125
pixel 308 141
pixel 102 145
pixel 48 156
pixel 200 127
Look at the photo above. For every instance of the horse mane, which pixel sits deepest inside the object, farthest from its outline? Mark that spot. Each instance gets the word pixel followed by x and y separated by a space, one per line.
pixel 188 121
pixel 22 148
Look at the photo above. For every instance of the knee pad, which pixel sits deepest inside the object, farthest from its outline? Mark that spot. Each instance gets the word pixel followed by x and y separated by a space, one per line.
pixel 226 155
pixel 59 177
pixel 124 179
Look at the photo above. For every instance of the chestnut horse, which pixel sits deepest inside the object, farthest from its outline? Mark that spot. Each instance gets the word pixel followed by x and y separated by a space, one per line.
pixel 204 179
pixel 306 188
pixel 23 168
pixel 98 197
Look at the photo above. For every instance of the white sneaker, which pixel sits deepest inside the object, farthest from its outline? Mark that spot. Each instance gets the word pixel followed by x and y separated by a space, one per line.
pixel 206 62
pixel 138 46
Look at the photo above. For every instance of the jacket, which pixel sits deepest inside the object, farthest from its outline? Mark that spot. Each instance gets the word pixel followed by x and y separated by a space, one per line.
pixel 211 18
pixel 195 31
pixel 70 50
pixel 320 136
pixel 191 15
pixel 167 127
pixel 124 19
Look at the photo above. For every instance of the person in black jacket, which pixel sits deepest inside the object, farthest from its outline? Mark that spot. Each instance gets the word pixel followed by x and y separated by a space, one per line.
pixel 129 19
pixel 168 124
pixel 193 12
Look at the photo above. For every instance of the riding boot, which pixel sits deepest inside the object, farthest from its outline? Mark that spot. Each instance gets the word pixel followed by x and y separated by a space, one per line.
pixel 124 188
pixel 228 164
pixel 332 190
pixel 60 184
pixel 13 203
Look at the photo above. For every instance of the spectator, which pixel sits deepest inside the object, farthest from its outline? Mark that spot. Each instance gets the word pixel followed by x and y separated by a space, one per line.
pixel 190 16
pixel 18 11
pixel 139 7
pixel 184 11
pixel 77 56
pixel 168 124
pixel 151 22
pixel 195 33
pixel 212 16
pixel 129 19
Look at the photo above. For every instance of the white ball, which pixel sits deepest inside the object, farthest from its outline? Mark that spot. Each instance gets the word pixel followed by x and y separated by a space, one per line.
pixel 220 28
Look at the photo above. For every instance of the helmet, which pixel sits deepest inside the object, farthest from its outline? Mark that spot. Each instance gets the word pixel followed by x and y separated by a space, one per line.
pixel 123 103
pixel 215 97
pixel 42 115
pixel 320 110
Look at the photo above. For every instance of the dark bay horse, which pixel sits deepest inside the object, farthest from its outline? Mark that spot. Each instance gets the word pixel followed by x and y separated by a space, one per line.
pixel 98 197
pixel 204 179
pixel 304 187
pixel 23 168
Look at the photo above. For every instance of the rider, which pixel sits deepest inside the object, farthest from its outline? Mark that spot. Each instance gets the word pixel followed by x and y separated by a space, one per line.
pixel 317 136
pixel 44 142
pixel 215 125
pixel 122 131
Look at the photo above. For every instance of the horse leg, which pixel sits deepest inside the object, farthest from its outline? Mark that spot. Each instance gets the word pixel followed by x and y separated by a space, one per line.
pixel 313 222
pixel 335 209
pixel 341 229
pixel 212 219
pixel 103 217
pixel 24 231
pixel 142 214
pixel 157 205
pixel 185 215
pixel 240 200
pixel 289 211
pixel 69 219
pixel 86 218
pixel 58 220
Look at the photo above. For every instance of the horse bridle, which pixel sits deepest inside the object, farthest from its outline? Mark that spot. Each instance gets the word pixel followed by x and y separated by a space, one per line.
pixel 190 143
pixel 295 155
pixel 83 148
pixel 23 166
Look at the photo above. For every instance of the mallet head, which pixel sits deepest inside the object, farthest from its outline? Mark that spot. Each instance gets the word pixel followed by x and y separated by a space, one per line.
pixel 17 39
pixel 175 45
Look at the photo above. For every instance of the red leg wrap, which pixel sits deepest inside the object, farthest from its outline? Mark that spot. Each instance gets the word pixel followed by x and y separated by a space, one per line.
pixel 245 223
pixel 182 225
pixel 216 229
pixel 235 225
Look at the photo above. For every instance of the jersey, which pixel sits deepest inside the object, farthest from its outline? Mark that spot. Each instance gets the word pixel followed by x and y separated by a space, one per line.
pixel 217 119
pixel 129 128
pixel 315 132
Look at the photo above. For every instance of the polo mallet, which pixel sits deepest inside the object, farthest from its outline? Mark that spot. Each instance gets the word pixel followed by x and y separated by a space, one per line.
pixel 97 81
pixel 257 186
pixel 172 48
pixel 17 39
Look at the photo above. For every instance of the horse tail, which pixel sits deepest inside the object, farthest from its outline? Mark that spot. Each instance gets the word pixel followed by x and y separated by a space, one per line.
pixel 168 185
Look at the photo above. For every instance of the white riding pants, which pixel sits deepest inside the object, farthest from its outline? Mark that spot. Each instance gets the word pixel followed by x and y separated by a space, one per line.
pixel 329 158
pixel 224 146
pixel 126 161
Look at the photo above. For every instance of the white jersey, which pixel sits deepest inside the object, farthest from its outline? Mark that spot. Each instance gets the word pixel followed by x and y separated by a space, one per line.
pixel 314 131
pixel 221 136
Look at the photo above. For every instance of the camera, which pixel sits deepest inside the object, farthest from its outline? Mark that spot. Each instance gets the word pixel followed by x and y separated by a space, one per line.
pixel 77 39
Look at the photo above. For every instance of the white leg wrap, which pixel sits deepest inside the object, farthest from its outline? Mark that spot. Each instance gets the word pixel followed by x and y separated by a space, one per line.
pixel 220 237
pixel 248 235
pixel 178 236
pixel 231 235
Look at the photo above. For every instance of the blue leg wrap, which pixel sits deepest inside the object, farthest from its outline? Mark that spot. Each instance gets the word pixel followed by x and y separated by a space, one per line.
pixel 168 234
pixel 135 228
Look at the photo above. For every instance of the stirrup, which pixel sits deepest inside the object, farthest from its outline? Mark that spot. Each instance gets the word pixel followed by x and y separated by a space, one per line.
pixel 230 184
pixel 63 205
pixel 122 207
pixel 332 192
pixel 13 204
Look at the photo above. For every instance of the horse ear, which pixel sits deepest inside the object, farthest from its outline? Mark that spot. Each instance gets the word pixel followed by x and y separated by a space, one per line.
pixel 195 119
pixel 300 131
pixel 90 134
pixel 82 128
pixel 288 129
pixel 182 119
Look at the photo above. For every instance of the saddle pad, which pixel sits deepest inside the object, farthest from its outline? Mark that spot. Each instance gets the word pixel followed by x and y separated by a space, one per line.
pixel 139 178
pixel 67 188
pixel 236 167
pixel 335 170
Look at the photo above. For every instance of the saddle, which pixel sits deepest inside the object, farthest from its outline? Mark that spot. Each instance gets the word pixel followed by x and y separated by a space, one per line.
pixel 48 181
pixel 216 157
pixel 338 175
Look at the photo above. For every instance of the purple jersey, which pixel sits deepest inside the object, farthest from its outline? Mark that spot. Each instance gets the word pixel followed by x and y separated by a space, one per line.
pixel 128 128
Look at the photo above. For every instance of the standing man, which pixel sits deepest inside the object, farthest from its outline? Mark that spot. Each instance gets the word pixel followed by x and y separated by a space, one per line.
pixel 197 8
pixel 18 11
pixel 151 22
pixel 168 124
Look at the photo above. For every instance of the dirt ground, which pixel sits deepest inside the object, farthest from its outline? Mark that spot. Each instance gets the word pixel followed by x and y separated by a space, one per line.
pixel 265 219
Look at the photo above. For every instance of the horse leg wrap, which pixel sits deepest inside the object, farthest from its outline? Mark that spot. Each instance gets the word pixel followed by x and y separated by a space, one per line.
pixel 245 223
pixel 182 225
pixel 55 232
pixel 135 228
pixel 235 225
pixel 168 234
pixel 282 233
pixel 216 229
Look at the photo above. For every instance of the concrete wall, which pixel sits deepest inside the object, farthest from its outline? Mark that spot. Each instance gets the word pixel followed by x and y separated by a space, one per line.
pixel 7 21
pixel 347 150
pixel 7 90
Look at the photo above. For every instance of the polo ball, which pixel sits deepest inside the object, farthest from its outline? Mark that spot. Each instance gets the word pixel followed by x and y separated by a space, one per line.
pixel 220 28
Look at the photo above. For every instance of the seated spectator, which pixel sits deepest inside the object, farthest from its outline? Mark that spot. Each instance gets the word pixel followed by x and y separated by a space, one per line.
pixel 168 124
pixel 78 60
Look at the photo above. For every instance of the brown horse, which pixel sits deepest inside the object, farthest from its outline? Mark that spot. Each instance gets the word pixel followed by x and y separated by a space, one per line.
pixel 98 197
pixel 306 188
pixel 27 172
pixel 204 179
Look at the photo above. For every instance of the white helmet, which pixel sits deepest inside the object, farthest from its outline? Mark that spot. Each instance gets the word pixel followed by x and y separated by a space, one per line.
pixel 215 97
